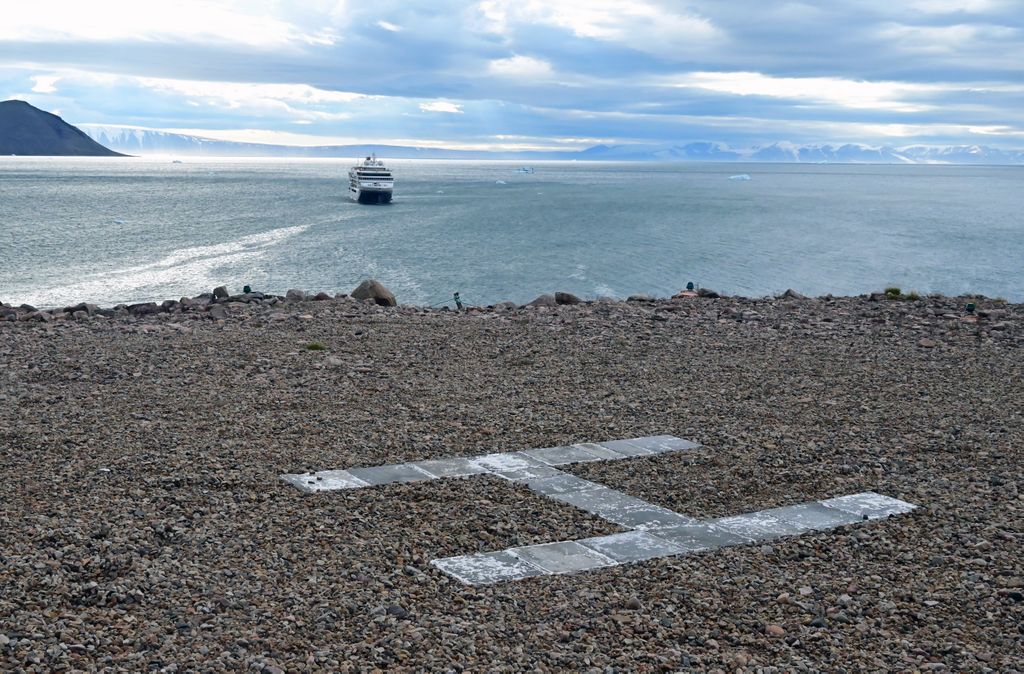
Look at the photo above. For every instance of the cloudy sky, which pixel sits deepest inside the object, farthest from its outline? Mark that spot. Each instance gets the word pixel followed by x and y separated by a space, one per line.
pixel 528 73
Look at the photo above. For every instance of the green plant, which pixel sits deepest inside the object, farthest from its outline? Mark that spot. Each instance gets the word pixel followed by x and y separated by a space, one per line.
pixel 893 292
pixel 316 346
pixel 913 296
pixel 999 300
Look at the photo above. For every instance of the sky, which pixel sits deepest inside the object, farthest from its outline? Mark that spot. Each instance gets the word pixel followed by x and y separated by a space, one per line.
pixel 528 74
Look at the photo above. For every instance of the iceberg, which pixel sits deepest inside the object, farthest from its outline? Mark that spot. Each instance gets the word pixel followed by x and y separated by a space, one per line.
pixel 741 176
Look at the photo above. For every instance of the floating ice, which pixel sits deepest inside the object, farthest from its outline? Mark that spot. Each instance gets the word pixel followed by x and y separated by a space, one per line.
pixel 500 182
pixel 741 176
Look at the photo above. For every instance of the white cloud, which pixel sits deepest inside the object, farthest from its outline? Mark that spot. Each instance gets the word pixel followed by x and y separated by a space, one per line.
pixel 441 106
pixel 637 24
pixel 388 26
pixel 853 94
pixel 45 84
pixel 945 39
pixel 248 23
pixel 525 67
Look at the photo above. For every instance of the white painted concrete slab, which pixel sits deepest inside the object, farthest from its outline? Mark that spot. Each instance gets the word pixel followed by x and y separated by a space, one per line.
pixel 563 557
pixel 632 546
pixel 654 531
pixel 869 505
pixel 488 567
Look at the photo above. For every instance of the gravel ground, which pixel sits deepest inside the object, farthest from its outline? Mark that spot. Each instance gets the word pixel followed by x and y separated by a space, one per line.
pixel 143 527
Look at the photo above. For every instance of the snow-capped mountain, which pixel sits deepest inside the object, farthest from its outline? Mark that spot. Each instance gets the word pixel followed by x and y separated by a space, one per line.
pixel 141 141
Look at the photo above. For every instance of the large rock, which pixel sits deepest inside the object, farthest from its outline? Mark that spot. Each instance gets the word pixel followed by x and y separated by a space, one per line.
pixel 373 290
pixel 544 301
pixel 295 295
pixel 566 298
pixel 220 292
pixel 791 294
pixel 707 292
pixel 143 309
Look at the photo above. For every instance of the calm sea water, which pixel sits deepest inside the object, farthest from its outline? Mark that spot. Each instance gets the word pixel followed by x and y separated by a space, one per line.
pixel 127 230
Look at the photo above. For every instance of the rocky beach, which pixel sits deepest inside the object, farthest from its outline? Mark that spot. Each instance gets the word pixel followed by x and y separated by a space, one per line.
pixel 144 526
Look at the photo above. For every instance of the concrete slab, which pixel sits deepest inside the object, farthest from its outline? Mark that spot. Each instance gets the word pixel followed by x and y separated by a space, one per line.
pixel 563 557
pixel 561 484
pixel 456 467
pixel 869 505
pixel 661 444
pixel 758 526
pixel 324 480
pixel 515 466
pixel 632 546
pixel 600 452
pixel 700 536
pixel 561 456
pixel 622 509
pixel 399 472
pixel 488 567
pixel 813 516
pixel 624 447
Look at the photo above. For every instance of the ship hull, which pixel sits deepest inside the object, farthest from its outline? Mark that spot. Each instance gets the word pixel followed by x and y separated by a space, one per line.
pixel 371 196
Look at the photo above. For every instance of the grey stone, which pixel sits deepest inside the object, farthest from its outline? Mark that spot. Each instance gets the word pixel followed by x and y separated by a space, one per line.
pixel 632 546
pixel 487 568
pixel 560 456
pixel 566 298
pixel 220 292
pixel 791 294
pixel 322 297
pixel 374 290
pixel 505 306
pixel 399 472
pixel 456 467
pixel 218 311
pixel 544 301
pixel 295 295
pixel 562 557
pixel 143 309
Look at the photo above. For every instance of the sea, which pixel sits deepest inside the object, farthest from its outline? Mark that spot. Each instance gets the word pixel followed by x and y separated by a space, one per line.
pixel 116 230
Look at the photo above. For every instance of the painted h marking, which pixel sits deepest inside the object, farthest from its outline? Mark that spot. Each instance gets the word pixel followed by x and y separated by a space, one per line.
pixel 653 531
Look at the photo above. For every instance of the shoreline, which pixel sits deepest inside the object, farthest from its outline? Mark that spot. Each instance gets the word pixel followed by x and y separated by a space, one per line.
pixel 220 303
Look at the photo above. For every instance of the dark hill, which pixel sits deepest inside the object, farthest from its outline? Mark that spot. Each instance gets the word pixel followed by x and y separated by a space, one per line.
pixel 26 130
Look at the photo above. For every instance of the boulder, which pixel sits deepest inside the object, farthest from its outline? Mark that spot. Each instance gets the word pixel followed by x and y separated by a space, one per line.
pixel 791 294
pixel 566 298
pixel 707 292
pixel 373 290
pixel 640 297
pixel 220 292
pixel 322 297
pixel 544 301
pixel 143 309
pixel 28 307
pixel 218 311
pixel 295 295
pixel 505 306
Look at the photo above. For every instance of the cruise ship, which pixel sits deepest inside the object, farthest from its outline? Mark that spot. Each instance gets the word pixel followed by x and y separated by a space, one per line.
pixel 370 182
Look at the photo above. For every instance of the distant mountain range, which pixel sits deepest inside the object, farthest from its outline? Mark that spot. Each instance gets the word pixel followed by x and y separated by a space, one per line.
pixel 27 130
pixel 141 141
